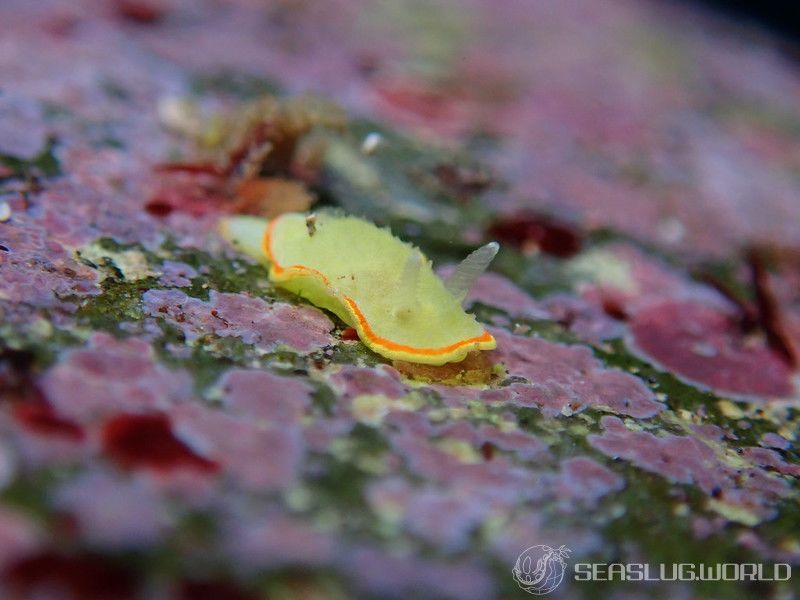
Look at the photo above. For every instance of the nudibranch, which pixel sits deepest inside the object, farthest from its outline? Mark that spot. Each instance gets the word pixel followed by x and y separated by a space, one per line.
pixel 383 287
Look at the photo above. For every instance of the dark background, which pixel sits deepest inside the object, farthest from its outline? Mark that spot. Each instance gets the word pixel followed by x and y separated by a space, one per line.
pixel 777 16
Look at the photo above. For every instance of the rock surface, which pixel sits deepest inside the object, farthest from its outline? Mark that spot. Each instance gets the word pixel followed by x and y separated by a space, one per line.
pixel 174 426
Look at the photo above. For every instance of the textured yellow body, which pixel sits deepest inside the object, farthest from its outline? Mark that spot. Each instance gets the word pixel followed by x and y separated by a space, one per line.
pixel 383 287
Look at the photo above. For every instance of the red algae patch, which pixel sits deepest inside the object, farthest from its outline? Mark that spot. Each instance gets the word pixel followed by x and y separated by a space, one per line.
pixel 42 419
pixel 147 441
pixel 142 12
pixel 530 232
pixel 212 590
pixel 706 346
pixel 84 576
pixel 349 334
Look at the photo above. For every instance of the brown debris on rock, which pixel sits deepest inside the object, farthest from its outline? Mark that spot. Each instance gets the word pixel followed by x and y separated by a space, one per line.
pixel 475 369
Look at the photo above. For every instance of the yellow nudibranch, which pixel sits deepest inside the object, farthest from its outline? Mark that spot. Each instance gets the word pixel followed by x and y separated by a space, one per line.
pixel 383 287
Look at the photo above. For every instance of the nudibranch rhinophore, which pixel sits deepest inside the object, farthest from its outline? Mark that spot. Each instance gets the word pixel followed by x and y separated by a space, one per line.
pixel 383 287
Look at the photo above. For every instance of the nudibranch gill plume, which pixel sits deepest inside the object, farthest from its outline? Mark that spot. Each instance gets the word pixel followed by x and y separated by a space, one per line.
pixel 376 283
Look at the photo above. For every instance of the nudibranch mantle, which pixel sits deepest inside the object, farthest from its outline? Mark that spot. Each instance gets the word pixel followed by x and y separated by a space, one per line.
pixel 383 287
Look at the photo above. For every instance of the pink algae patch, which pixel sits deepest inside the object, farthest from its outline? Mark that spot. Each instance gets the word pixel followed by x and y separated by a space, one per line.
pixel 589 321
pixel 705 345
pixel 112 511
pixel 253 320
pixel 525 445
pixel 585 480
pixel 771 460
pixel 773 440
pixel 265 396
pixel 260 456
pixel 681 459
pixel 40 435
pixel 176 274
pixel 353 381
pixel 497 480
pixel 688 460
pixel 18 535
pixel 110 376
pixel 434 515
pixel 566 379
pixel 37 266
pixel 375 572
pixel 276 540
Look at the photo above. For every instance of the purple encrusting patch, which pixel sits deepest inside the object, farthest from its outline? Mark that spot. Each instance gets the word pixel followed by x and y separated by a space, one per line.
pixel 264 396
pixel 771 460
pixel 19 535
pixel 353 381
pixel 254 321
pixel 688 460
pixel 566 379
pixel 434 515
pixel 584 480
pixel 36 450
pixel 525 445
pixel 643 281
pixel 112 511
pixel 38 267
pixel 259 456
pixel 773 440
pixel 112 376
pixel 785 553
pixel 588 321
pixel 176 274
pixel 381 574
pixel 274 540
pixel 703 344
pixel 498 480
pixel 22 129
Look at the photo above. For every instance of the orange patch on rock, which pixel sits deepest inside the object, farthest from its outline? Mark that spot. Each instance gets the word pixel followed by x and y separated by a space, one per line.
pixel 475 369
pixel 269 197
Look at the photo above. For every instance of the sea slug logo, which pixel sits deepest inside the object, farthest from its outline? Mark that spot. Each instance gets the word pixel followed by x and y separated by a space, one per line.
pixel 540 569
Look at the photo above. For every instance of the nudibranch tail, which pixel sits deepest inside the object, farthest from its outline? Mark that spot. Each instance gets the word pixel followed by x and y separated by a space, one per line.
pixel 467 272
pixel 246 234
